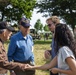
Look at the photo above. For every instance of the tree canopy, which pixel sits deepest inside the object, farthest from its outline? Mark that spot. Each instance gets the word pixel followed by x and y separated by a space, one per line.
pixel 65 9
pixel 46 28
pixel 14 9
pixel 38 25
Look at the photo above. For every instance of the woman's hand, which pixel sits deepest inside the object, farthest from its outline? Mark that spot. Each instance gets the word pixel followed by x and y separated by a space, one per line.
pixel 28 67
pixel 54 70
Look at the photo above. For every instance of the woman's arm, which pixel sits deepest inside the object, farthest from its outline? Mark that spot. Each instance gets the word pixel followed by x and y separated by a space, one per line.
pixel 72 65
pixel 45 66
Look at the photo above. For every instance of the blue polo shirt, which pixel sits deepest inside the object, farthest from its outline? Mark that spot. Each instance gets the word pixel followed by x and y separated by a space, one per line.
pixel 20 48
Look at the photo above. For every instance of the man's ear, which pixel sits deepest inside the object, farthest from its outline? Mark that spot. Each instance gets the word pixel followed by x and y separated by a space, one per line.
pixel 4 32
pixel 1 31
pixel 19 26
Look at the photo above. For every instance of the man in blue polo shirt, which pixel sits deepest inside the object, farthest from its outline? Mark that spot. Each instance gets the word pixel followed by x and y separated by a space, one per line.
pixel 21 47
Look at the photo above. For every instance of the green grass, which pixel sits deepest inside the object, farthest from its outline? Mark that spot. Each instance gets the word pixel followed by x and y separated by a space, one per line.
pixel 42 42
pixel 39 57
pixel 39 48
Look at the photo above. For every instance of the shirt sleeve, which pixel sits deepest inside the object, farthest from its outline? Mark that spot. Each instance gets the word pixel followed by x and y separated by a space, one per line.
pixel 4 63
pixel 66 52
pixel 11 65
pixel 32 41
pixel 11 48
pixel 32 57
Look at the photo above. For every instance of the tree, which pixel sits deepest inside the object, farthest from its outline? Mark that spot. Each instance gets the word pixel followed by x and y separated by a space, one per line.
pixel 14 9
pixel 66 9
pixel 46 28
pixel 38 25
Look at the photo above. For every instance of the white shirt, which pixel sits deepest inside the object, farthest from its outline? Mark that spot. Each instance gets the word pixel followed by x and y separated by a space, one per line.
pixel 64 52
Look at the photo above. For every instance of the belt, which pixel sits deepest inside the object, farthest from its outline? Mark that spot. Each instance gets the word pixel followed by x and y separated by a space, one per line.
pixel 26 62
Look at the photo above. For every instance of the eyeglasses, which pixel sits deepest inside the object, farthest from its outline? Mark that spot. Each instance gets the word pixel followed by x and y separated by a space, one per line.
pixel 49 25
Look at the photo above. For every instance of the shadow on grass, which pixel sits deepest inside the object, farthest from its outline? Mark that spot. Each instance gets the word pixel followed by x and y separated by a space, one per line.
pixel 42 41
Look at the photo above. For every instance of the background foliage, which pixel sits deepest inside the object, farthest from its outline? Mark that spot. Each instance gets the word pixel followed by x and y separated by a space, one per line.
pixel 66 9
pixel 14 9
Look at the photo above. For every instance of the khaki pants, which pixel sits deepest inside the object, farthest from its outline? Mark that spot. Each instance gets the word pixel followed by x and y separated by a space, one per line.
pixel 26 72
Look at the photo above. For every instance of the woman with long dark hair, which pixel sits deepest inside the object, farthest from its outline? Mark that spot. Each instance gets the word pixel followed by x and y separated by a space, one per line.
pixel 66 53
pixel 65 49
pixel 64 37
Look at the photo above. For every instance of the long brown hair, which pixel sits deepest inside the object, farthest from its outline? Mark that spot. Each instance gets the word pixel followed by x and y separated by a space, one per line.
pixel 64 37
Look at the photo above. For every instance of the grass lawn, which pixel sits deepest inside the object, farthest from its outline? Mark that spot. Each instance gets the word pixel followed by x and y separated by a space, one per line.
pixel 39 48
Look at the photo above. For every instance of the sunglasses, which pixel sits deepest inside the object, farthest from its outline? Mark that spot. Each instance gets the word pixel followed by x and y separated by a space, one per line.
pixel 49 25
